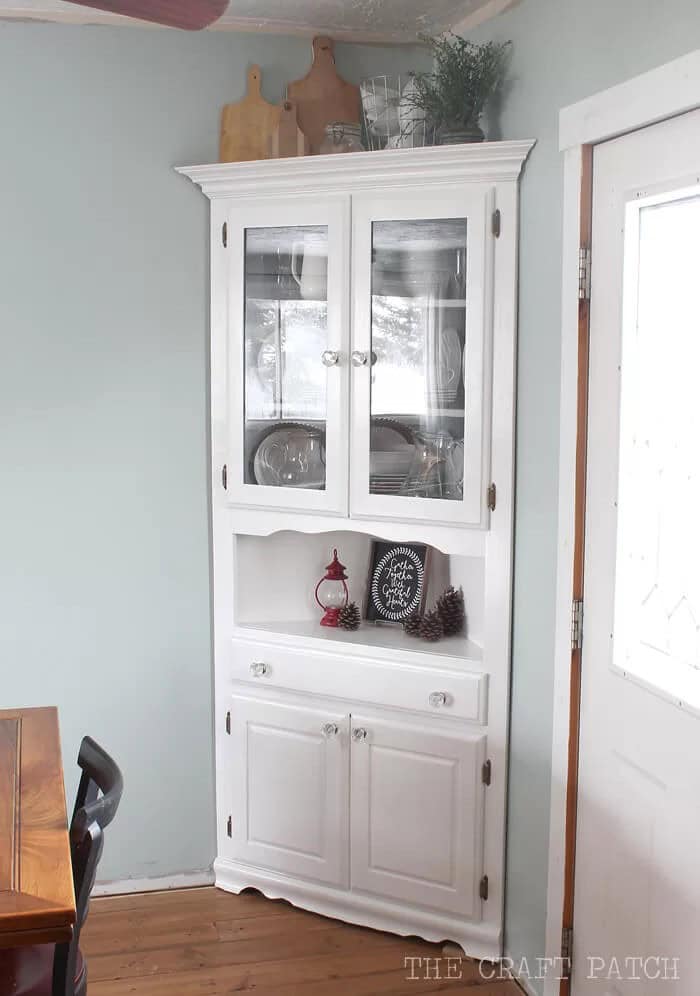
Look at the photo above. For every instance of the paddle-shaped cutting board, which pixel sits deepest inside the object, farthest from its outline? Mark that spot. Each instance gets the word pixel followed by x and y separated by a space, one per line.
pixel 247 126
pixel 288 139
pixel 323 96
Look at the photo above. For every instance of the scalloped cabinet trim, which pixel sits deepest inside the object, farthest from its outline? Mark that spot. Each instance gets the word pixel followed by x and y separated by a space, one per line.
pixel 363 775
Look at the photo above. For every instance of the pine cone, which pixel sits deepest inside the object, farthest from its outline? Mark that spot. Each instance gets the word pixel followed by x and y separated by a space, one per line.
pixel 431 627
pixel 412 624
pixel 450 608
pixel 349 617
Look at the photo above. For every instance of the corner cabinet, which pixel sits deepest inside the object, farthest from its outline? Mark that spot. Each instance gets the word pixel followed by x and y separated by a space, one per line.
pixel 363 329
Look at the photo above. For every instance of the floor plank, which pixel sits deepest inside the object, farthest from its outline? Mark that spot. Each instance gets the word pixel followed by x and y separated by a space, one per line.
pixel 204 942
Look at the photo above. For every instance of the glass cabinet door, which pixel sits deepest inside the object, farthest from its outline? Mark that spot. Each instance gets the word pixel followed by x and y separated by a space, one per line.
pixel 419 388
pixel 288 358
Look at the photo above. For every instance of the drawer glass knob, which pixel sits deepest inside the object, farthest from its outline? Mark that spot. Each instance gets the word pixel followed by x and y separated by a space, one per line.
pixel 259 669
pixel 330 730
pixel 359 734
pixel 330 358
pixel 437 699
pixel 359 359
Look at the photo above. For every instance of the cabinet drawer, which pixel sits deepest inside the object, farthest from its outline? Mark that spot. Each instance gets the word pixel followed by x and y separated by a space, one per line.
pixel 439 691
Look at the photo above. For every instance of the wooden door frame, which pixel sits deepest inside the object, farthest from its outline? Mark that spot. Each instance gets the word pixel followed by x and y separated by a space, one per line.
pixel 672 89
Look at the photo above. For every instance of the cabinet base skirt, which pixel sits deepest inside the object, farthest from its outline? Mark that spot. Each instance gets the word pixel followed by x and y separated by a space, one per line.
pixel 476 940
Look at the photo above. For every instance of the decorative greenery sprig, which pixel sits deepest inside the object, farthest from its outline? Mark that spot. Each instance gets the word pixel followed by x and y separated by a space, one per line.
pixel 464 77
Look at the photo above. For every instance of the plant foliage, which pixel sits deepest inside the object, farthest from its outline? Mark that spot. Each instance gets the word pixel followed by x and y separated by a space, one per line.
pixel 465 75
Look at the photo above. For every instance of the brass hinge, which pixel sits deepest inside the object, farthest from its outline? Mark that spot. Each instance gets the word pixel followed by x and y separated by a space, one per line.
pixel 229 826
pixel 224 234
pixel 486 772
pixel 228 722
pixel 496 223
pixel 484 888
pixel 577 624
pixel 224 477
pixel 584 274
pixel 567 950
pixel 491 497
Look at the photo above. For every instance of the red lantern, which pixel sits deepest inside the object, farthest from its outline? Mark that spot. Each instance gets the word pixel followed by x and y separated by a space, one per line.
pixel 335 592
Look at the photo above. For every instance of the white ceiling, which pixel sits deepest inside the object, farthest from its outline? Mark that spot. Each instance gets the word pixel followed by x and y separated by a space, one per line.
pixel 394 21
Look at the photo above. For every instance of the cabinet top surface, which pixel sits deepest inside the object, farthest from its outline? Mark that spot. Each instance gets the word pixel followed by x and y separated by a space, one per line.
pixel 496 161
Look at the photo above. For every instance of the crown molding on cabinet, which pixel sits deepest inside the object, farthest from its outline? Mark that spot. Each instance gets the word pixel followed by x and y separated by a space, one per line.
pixel 487 161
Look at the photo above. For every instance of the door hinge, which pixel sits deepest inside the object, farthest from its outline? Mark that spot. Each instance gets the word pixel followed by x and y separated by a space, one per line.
pixel 577 624
pixel 584 274
pixel 486 772
pixel 484 888
pixel 224 234
pixel 567 950
pixel 228 723
pixel 496 223
pixel 224 477
pixel 229 826
pixel 491 497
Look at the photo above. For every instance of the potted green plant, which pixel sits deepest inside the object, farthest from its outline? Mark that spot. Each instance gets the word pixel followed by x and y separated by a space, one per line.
pixel 464 77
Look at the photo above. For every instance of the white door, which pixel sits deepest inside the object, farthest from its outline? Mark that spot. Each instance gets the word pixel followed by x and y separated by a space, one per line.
pixel 637 890
pixel 417 815
pixel 289 789
pixel 421 354
pixel 288 353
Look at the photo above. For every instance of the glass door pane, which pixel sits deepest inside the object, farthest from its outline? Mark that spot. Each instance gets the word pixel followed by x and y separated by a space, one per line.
pixel 418 339
pixel 286 356
pixel 657 612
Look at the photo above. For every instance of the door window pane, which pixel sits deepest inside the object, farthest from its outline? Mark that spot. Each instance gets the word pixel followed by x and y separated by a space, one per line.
pixel 418 347
pixel 657 623
pixel 286 334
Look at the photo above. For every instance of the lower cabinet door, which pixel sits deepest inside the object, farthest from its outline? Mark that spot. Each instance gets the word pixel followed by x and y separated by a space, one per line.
pixel 290 790
pixel 417 815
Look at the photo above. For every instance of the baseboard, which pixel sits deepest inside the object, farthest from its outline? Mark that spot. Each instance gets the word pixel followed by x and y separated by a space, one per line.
pixel 126 886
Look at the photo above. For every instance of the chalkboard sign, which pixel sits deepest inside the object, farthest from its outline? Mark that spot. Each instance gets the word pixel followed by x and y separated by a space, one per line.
pixel 397 581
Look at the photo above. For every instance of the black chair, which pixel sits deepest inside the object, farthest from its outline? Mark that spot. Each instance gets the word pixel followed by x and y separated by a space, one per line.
pixel 60 970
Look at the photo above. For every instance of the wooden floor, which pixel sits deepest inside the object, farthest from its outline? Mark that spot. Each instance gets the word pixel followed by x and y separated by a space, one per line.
pixel 203 941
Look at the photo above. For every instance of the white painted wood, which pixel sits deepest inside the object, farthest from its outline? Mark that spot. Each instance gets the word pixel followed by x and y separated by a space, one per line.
pixel 417 815
pixel 164 883
pixel 376 672
pixel 636 879
pixel 333 215
pixel 288 770
pixel 470 203
pixel 481 940
pixel 637 109
pixel 358 23
pixel 660 93
pixel 486 162
pixel 393 683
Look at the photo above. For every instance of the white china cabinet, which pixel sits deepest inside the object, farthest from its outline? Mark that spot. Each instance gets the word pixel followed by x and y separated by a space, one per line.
pixel 363 319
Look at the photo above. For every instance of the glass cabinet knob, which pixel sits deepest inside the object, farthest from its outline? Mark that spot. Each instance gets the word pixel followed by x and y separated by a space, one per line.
pixel 359 359
pixel 259 669
pixel 437 699
pixel 330 358
pixel 359 734
pixel 330 730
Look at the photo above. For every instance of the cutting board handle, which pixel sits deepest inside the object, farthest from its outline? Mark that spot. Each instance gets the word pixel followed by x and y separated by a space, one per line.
pixel 324 50
pixel 254 78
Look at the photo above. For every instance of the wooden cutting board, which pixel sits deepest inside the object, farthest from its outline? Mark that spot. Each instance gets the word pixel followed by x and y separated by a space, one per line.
pixel 247 126
pixel 323 96
pixel 288 139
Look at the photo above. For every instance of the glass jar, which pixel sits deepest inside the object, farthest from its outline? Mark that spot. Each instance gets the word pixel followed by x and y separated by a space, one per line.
pixel 341 136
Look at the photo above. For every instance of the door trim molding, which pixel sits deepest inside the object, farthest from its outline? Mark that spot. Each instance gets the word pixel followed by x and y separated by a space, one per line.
pixel 672 89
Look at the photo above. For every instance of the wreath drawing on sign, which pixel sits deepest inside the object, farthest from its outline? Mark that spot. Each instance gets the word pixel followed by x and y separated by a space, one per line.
pixel 380 573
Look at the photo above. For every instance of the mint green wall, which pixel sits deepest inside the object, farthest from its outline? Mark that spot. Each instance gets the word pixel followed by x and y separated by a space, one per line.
pixel 104 565
pixel 563 51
